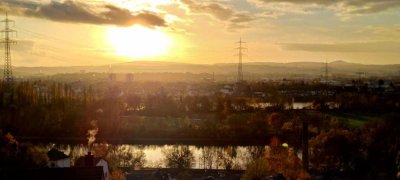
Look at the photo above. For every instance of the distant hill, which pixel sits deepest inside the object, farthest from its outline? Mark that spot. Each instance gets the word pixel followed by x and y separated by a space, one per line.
pixel 260 68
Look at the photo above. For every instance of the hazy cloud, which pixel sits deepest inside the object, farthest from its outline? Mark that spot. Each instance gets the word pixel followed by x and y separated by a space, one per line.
pixel 240 18
pixel 74 11
pixel 382 32
pixel 321 2
pixel 343 6
pixel 214 9
pixel 234 19
pixel 372 47
pixel 375 7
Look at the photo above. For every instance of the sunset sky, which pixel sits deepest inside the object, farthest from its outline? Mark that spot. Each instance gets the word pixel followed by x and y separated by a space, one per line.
pixel 97 32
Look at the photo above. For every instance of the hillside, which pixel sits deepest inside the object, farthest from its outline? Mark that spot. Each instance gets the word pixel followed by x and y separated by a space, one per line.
pixel 260 68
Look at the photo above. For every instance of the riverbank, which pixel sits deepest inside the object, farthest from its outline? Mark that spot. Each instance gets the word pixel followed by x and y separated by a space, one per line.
pixel 159 173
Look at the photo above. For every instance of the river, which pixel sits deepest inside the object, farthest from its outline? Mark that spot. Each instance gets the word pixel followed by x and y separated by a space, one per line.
pixel 210 157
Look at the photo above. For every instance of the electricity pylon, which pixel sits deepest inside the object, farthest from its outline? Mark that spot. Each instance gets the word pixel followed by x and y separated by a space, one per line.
pixel 7 41
pixel 240 65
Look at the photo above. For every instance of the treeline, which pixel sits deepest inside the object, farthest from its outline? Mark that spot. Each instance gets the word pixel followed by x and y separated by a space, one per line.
pixel 52 109
pixel 45 108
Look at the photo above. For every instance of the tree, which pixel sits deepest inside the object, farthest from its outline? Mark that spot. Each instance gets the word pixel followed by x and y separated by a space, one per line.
pixel 227 158
pixel 334 152
pixel 381 138
pixel 138 159
pixel 180 157
pixel 283 160
pixel 134 102
pixel 275 121
pixel 277 161
pixel 20 155
pixel 208 157
pixel 257 170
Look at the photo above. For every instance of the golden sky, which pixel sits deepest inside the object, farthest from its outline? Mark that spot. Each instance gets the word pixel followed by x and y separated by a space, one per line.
pixel 97 32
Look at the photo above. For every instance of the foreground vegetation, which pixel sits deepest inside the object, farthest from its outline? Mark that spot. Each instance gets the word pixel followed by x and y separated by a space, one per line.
pixel 357 139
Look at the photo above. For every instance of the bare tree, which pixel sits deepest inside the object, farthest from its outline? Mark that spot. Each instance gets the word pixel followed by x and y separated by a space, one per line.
pixel 180 157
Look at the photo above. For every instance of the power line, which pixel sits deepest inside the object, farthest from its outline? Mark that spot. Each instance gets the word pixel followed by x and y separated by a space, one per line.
pixel 46 37
pixel 54 47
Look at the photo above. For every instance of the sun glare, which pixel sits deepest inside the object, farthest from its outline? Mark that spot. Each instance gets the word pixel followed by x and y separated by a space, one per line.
pixel 138 41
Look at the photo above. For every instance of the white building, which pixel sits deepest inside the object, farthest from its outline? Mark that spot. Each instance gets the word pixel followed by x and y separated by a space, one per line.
pixel 58 159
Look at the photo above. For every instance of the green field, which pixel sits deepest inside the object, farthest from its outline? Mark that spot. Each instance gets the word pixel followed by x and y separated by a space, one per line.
pixel 355 119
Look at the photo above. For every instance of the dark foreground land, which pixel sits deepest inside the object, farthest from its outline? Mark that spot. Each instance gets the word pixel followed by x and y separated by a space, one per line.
pixel 346 131
pixel 167 173
pixel 76 173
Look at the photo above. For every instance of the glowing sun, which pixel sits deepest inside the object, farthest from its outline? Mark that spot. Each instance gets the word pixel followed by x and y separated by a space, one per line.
pixel 138 41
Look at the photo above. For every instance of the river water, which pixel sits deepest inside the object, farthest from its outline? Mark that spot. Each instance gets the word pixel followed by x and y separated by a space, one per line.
pixel 210 157
pixel 294 105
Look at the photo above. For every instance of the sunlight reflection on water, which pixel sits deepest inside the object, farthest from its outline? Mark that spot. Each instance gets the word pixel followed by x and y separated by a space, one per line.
pixel 154 153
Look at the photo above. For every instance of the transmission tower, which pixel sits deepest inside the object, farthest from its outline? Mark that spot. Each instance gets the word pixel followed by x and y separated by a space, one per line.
pixel 7 41
pixel 240 65
pixel 326 71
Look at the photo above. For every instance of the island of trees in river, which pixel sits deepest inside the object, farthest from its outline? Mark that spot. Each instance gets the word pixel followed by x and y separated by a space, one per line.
pixel 352 129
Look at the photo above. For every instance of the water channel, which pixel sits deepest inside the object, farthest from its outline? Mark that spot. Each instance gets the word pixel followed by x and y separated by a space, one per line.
pixel 205 157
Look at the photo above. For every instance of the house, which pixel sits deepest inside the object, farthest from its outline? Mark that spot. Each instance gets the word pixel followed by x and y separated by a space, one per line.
pixel 58 159
pixel 89 160
pixel 59 167
pixel 227 90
